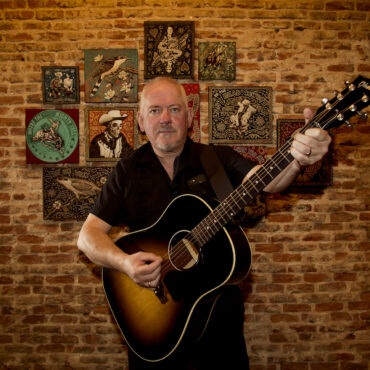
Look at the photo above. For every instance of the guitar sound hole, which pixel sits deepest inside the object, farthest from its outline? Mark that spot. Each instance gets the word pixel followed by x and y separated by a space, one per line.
pixel 182 251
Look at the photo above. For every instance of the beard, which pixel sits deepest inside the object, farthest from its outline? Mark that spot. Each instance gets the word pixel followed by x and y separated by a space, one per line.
pixel 171 144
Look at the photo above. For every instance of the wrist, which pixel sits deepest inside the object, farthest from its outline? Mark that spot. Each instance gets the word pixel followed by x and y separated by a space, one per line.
pixel 297 166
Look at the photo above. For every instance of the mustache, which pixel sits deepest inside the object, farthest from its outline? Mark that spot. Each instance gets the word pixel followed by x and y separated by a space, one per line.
pixel 166 128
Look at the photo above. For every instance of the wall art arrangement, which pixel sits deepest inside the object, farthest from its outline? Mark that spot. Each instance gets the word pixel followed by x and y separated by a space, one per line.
pixel 60 85
pixel 111 75
pixel 313 177
pixel 110 133
pixel 70 192
pixel 52 136
pixel 239 116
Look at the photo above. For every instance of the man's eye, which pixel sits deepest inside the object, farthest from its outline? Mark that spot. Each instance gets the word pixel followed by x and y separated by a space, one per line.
pixel 175 109
pixel 154 111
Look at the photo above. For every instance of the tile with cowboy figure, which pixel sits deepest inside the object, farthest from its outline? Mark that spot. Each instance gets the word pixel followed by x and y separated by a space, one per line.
pixel 52 136
pixel 70 192
pixel 311 178
pixel 111 76
pixel 168 49
pixel 60 85
pixel 240 115
pixel 216 60
pixel 110 132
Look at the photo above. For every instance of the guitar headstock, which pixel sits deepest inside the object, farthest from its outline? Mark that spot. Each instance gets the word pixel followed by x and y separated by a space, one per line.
pixel 354 98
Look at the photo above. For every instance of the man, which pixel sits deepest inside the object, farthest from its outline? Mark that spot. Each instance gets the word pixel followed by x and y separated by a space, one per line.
pixel 142 185
pixel 111 143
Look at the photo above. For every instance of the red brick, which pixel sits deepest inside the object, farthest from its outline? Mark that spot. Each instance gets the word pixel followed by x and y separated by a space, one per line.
pixel 332 306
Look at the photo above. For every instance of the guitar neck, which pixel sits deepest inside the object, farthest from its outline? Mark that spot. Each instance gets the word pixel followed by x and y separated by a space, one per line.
pixel 242 195
pixel 333 113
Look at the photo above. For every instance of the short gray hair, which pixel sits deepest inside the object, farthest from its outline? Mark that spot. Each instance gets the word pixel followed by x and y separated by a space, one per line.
pixel 168 80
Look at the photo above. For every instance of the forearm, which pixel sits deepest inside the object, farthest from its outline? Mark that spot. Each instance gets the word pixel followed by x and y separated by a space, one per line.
pixel 100 249
pixel 284 179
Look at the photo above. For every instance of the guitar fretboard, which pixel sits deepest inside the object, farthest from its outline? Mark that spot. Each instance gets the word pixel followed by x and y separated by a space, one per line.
pixel 333 113
pixel 242 196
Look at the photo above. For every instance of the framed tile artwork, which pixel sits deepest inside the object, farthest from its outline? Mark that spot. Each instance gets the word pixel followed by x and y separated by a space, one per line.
pixel 70 192
pixel 110 132
pixel 255 153
pixel 317 176
pixel 240 115
pixel 52 136
pixel 111 75
pixel 169 49
pixel 60 85
pixel 192 92
pixel 217 61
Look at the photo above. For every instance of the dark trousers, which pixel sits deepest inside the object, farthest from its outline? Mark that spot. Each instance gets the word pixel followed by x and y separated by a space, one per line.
pixel 222 346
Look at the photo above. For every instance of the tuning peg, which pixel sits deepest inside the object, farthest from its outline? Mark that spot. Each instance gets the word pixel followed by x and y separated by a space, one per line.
pixel 348 124
pixel 363 115
pixel 324 101
pixel 338 95
pixel 350 85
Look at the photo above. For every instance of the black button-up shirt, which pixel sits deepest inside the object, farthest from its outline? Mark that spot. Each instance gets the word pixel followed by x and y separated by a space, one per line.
pixel 139 189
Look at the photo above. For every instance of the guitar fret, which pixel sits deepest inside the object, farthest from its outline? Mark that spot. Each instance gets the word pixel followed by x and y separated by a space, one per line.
pixel 260 178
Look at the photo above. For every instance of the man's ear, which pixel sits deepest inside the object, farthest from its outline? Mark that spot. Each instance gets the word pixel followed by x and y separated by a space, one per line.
pixel 140 121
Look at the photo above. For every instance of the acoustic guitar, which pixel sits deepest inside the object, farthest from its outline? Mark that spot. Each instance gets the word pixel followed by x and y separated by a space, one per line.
pixel 202 251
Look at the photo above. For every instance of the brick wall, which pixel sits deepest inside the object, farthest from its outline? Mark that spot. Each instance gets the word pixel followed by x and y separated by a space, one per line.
pixel 307 297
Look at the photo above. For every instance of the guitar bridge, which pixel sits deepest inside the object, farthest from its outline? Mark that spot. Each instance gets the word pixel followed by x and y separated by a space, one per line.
pixel 159 292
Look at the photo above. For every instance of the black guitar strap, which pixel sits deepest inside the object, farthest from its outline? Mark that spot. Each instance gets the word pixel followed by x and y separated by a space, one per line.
pixel 215 172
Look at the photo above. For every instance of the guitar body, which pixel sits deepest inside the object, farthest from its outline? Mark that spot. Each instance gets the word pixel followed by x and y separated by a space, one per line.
pixel 156 324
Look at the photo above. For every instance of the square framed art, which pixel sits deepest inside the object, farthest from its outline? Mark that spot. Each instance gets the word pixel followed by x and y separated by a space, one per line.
pixel 217 60
pixel 169 49
pixel 52 136
pixel 240 115
pixel 60 85
pixel 70 192
pixel 111 76
pixel 110 132
pixel 192 92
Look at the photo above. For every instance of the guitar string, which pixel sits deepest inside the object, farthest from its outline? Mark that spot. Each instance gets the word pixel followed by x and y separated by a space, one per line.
pixel 179 251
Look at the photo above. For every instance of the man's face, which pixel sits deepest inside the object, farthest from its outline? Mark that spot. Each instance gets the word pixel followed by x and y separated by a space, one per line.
pixel 164 117
pixel 115 127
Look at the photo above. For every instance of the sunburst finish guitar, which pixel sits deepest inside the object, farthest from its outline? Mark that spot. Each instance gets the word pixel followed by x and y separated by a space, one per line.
pixel 202 251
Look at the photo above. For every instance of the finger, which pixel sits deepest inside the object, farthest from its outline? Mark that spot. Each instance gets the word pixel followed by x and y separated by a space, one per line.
pixel 151 274
pixel 308 114
pixel 301 144
pixel 318 134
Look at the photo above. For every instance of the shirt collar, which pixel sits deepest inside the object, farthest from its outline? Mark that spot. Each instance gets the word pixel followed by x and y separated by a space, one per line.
pixel 188 158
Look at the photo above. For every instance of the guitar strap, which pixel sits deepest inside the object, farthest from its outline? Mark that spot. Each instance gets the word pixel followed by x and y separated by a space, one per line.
pixel 215 172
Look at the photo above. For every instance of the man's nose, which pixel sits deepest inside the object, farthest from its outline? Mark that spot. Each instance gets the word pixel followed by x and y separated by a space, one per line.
pixel 165 116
